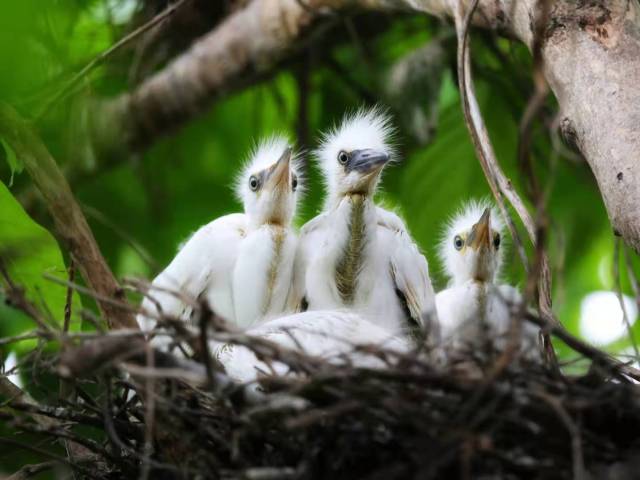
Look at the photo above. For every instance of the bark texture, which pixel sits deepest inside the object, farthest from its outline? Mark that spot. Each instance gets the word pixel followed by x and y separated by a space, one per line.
pixel 591 55
pixel 592 59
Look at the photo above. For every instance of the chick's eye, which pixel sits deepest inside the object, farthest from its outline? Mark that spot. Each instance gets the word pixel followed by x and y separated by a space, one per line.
pixel 343 157
pixel 496 241
pixel 294 183
pixel 457 242
pixel 254 183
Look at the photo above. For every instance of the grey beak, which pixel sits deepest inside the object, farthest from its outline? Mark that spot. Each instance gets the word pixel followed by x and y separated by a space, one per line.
pixel 367 160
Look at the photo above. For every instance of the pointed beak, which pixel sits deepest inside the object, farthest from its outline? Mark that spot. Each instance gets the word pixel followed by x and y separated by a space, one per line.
pixel 368 160
pixel 480 237
pixel 280 172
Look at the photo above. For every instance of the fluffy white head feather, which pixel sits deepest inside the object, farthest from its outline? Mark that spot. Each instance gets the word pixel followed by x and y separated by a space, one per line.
pixel 366 129
pixel 462 263
pixel 267 199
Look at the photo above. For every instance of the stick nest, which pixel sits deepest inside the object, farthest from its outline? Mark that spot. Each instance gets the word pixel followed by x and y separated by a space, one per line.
pixel 410 420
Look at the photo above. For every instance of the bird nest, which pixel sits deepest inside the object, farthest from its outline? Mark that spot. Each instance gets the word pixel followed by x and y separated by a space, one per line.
pixel 140 413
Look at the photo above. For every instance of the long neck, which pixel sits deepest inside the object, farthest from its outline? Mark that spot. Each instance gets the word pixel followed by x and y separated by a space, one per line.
pixel 335 195
pixel 278 236
pixel 350 263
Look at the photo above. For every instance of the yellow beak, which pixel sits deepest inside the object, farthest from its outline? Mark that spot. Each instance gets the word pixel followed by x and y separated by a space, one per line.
pixel 279 174
pixel 480 236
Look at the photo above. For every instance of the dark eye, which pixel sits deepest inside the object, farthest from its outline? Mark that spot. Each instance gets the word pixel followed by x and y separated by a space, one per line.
pixel 294 183
pixel 496 241
pixel 254 183
pixel 343 157
pixel 457 242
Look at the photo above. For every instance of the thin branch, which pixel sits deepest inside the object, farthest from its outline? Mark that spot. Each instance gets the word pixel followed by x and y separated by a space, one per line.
pixel 46 454
pixel 623 307
pixel 633 280
pixel 29 471
pixel 69 298
pixel 15 296
pixel 149 414
pixel 101 57
pixel 13 393
pixel 499 184
pixel 205 317
pixel 123 234
pixel 71 224
pixel 579 472
pixel 600 357
pixel 91 293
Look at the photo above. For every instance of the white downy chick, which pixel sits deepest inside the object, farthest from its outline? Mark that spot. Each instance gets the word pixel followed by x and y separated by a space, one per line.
pixel 475 309
pixel 356 255
pixel 333 336
pixel 242 263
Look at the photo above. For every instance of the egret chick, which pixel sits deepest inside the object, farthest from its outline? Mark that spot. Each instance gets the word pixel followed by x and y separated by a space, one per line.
pixel 333 336
pixel 475 310
pixel 242 263
pixel 355 254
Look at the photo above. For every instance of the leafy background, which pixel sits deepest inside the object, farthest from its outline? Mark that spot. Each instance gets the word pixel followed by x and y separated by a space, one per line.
pixel 141 206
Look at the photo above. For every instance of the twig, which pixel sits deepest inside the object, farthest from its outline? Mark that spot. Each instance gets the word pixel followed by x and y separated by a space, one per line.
pixel 205 316
pixel 39 451
pixel 50 337
pixel 67 386
pixel 139 249
pixel 593 353
pixel 149 415
pixel 29 471
pixel 498 182
pixel 476 127
pixel 633 280
pixel 579 472
pixel 173 373
pixel 625 316
pixel 15 296
pixel 92 293
pixel 69 298
pixel 23 337
pixel 101 57
pixel 91 356
pixel 15 394
pixel 539 276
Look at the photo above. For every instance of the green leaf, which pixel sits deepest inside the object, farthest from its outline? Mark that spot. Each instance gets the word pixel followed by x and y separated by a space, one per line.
pixel 29 252
pixel 15 165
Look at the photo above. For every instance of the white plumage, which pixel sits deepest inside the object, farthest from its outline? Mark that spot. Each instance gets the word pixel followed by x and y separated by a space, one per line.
pixel 241 263
pixel 335 336
pixel 356 255
pixel 475 309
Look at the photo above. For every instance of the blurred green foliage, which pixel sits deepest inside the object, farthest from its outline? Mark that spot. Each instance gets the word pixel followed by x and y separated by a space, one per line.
pixel 142 206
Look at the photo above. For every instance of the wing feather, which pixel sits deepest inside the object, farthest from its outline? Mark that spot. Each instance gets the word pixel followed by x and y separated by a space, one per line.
pixel 410 274
pixel 208 253
pixel 309 238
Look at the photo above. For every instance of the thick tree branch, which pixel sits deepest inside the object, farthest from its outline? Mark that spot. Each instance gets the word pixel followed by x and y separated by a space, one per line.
pixel 250 42
pixel 590 52
pixel 71 224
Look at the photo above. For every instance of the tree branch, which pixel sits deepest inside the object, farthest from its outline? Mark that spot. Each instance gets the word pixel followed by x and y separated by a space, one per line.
pixel 70 223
